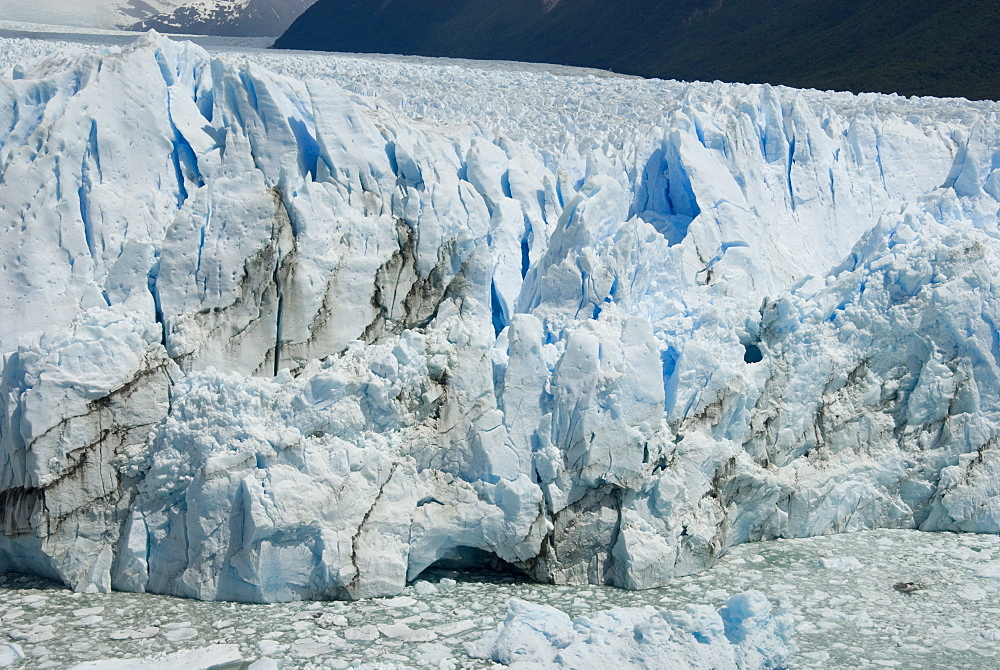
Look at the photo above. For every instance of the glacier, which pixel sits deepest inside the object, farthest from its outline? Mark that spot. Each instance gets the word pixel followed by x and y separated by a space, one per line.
pixel 268 334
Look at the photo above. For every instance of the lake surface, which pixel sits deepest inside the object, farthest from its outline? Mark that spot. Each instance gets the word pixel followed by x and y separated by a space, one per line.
pixel 841 589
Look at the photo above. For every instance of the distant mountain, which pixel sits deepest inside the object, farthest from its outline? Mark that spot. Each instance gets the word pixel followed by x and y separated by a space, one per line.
pixel 468 28
pixel 102 14
pixel 227 17
pixel 202 17
pixel 911 47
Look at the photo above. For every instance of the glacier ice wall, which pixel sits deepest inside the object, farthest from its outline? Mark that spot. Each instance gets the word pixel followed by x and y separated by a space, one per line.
pixel 265 338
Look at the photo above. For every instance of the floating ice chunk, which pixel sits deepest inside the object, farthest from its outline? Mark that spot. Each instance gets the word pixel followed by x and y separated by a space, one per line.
pixel 12 614
pixel 181 634
pixel 841 563
pixel 971 592
pixel 454 627
pixel 132 634
pixel 331 619
pixel 316 646
pixel 423 588
pixel 400 631
pixel 271 647
pixel 989 570
pixel 88 611
pixel 401 601
pixel 743 635
pixel 10 654
pixel 214 657
pixel 33 635
pixel 532 633
pixel 365 633
pixel 87 621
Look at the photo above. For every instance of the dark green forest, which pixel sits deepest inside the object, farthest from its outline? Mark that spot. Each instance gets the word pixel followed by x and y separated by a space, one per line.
pixel 910 47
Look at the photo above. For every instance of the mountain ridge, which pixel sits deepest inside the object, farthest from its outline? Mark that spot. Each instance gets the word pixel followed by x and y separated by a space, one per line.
pixel 229 18
pixel 917 47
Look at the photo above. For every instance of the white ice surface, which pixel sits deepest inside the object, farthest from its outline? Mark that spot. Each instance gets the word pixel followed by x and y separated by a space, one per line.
pixel 215 657
pixel 742 635
pixel 304 331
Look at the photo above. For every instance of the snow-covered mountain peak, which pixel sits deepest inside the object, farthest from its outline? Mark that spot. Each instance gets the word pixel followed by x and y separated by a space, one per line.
pixel 218 17
pixel 226 17
pixel 106 14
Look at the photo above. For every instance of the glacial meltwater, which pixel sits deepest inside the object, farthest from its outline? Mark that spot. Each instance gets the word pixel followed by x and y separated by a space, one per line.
pixel 888 598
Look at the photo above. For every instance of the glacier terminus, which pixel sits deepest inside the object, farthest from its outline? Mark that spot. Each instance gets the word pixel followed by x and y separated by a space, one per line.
pixel 273 334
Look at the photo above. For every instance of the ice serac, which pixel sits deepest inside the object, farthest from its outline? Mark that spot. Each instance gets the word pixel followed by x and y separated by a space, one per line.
pixel 267 339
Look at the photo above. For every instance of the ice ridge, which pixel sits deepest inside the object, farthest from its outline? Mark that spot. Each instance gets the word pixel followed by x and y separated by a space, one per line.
pixel 267 339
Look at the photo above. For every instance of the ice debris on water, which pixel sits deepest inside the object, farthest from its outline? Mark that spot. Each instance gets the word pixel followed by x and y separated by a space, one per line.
pixel 270 337
pixel 843 621
pixel 741 635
